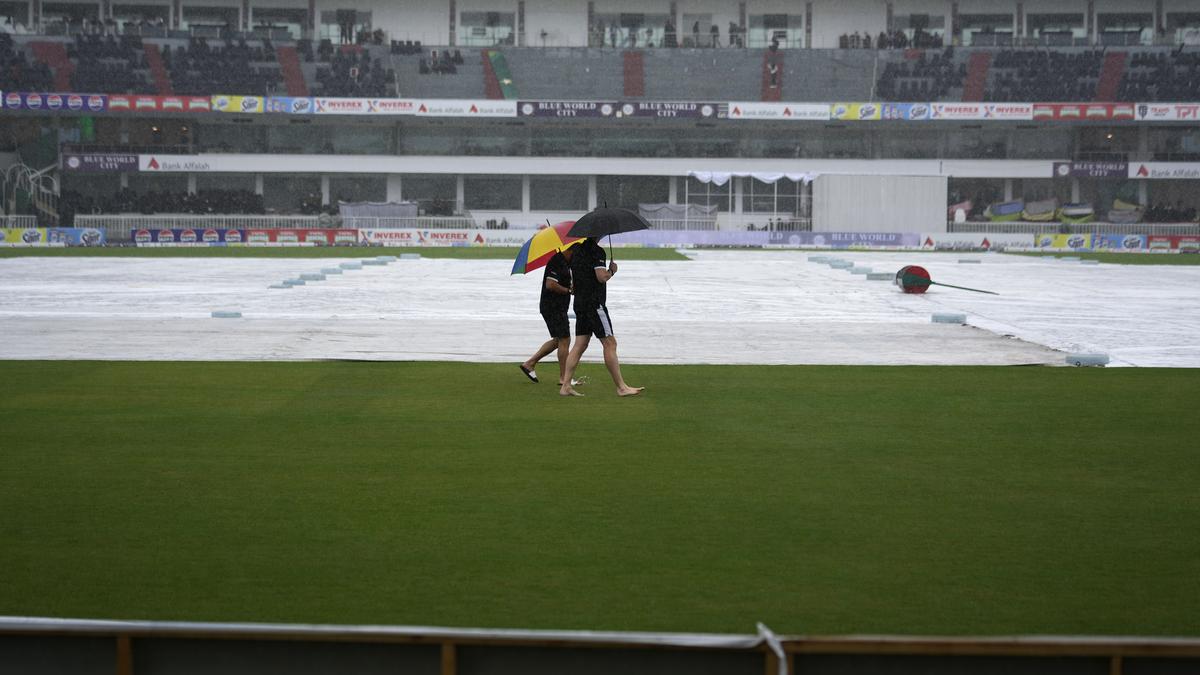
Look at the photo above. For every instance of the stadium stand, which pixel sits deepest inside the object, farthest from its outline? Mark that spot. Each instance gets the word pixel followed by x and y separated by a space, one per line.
pixel 1044 75
pixel 567 73
pixel 924 75
pixel 830 74
pixel 1161 75
pixel 353 71
pixel 155 202
pixel 109 65
pixel 704 74
pixel 233 68
pixel 19 72
pixel 438 73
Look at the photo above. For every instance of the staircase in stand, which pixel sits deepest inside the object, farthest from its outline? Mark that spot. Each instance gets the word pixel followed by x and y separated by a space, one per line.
pixel 772 87
pixel 977 72
pixel 54 54
pixel 635 73
pixel 1110 76
pixel 289 66
pixel 491 83
pixel 158 69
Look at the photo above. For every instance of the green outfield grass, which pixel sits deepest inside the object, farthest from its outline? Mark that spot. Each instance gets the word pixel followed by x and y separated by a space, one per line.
pixel 814 499
pixel 1126 258
pixel 464 252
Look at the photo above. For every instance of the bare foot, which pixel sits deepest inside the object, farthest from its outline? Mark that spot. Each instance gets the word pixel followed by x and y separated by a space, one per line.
pixel 630 391
pixel 568 391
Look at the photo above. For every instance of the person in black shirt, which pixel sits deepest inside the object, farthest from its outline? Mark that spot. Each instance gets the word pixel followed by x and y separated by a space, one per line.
pixel 556 297
pixel 591 277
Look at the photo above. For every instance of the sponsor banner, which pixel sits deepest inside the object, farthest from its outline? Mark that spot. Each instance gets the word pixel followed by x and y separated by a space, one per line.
pixel 750 110
pixel 981 111
pixel 97 162
pixel 973 241
pixel 188 235
pixel 1174 242
pixel 1168 112
pixel 846 239
pixel 464 108
pixel 175 163
pixel 311 237
pixel 391 106
pixel 1118 242
pixel 291 105
pixel 248 236
pixel 1165 170
pixel 854 111
pixel 1074 242
pixel 52 236
pixel 15 100
pixel 158 104
pixel 956 111
pixel 75 236
pixel 409 237
pixel 502 237
pixel 31 236
pixel 671 109
pixel 1082 111
pixel 341 106
pixel 1089 169
pixel 904 111
pixel 566 108
pixel 415 237
pixel 237 104
pixel 1008 111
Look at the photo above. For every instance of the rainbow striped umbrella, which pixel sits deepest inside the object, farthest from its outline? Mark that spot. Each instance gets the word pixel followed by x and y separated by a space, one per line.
pixel 542 246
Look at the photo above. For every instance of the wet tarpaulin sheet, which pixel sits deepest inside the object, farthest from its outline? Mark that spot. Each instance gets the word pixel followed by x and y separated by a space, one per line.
pixel 769 307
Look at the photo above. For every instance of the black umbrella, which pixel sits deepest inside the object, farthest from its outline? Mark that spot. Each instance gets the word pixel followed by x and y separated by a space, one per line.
pixel 604 221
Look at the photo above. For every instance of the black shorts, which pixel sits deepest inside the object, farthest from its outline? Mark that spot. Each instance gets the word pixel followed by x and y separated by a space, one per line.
pixel 557 324
pixel 593 321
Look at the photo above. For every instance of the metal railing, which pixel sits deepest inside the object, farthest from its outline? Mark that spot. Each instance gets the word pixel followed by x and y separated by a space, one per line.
pixel 763 222
pixel 120 227
pixel 1073 228
pixel 417 222
pixel 18 222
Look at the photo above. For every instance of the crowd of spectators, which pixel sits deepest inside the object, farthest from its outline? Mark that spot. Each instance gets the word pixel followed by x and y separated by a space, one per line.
pixel 1161 76
pixel 1165 213
pixel 896 39
pixel 928 77
pixel 1044 75
pixel 203 202
pixel 443 63
pixel 354 74
pixel 199 69
pixel 18 73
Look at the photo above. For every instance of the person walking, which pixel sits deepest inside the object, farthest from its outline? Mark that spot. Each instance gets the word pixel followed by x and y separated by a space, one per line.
pixel 555 299
pixel 591 277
